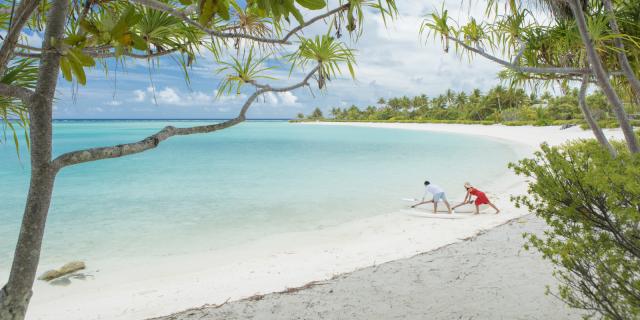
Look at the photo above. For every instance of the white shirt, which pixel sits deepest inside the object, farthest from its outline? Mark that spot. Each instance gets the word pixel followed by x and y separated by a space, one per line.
pixel 433 189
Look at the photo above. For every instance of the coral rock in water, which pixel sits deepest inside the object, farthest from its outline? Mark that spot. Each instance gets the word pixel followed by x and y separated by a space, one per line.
pixel 66 269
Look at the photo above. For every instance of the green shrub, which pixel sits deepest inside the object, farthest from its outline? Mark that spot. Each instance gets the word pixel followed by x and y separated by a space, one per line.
pixel 591 203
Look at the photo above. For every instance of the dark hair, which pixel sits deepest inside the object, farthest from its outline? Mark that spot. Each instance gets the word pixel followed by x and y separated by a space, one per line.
pixel 426 183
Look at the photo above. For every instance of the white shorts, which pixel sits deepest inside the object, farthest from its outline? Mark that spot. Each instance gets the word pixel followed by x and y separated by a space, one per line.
pixel 439 196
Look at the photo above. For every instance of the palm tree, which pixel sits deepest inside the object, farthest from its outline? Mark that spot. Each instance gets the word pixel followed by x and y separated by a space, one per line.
pixel 450 97
pixel 316 114
pixel 335 113
pixel 461 100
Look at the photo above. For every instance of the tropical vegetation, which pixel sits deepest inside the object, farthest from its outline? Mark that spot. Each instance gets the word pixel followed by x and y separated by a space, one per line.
pixel 590 203
pixel 243 38
pixel 587 192
pixel 581 42
pixel 506 105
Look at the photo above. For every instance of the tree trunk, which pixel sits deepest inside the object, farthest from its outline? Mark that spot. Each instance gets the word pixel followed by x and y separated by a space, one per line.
pixel 597 131
pixel 622 55
pixel 603 78
pixel 15 295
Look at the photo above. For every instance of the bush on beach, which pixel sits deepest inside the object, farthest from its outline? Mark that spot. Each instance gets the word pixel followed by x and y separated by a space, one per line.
pixel 591 203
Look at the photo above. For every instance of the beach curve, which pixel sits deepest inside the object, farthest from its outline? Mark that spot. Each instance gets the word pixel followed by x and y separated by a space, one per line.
pixel 260 268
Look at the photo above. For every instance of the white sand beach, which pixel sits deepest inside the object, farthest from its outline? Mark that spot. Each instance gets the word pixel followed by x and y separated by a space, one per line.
pixel 143 289
pixel 483 278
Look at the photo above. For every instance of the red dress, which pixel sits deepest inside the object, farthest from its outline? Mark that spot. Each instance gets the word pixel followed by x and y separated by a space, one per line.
pixel 481 198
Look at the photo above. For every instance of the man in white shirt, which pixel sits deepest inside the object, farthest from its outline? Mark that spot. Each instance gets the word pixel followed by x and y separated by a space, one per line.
pixel 438 194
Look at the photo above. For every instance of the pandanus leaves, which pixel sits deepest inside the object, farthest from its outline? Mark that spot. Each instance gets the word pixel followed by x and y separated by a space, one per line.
pixel 438 23
pixel 72 64
pixel 14 113
pixel 328 53
pixel 242 71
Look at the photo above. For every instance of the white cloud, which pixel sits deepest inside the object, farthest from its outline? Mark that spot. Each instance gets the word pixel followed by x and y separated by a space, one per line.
pixel 169 96
pixel 278 99
pixel 139 95
pixel 114 103
pixel 287 98
pixel 270 98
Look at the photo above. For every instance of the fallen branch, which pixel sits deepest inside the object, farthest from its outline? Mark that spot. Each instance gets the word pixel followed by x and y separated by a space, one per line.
pixel 152 141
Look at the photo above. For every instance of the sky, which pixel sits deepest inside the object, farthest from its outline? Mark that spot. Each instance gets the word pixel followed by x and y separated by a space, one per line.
pixel 391 61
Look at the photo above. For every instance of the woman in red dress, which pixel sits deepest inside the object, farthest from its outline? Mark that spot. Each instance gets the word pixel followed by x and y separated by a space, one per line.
pixel 481 198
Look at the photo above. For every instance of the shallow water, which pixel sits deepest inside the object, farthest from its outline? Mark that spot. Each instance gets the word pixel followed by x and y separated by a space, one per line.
pixel 209 191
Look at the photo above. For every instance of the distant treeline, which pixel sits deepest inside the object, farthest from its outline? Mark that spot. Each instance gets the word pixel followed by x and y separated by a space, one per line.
pixel 499 105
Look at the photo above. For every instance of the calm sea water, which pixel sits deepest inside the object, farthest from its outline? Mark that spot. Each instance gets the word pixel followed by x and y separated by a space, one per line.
pixel 208 191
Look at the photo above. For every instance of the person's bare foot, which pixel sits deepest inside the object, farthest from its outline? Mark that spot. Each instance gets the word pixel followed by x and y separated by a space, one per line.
pixel 497 211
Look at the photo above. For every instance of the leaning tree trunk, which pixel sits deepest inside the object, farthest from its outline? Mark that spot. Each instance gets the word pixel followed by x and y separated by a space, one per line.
pixel 622 54
pixel 15 295
pixel 603 78
pixel 593 124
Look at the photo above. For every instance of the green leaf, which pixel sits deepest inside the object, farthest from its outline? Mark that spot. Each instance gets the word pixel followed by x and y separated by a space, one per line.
pixel 207 10
pixel 65 68
pixel 15 138
pixel 288 4
pixel 88 27
pixel 351 71
pixel 76 68
pixel 74 39
pixel 78 71
pixel 223 9
pixel 312 4
pixel 123 23
pixel 84 59
pixel 138 42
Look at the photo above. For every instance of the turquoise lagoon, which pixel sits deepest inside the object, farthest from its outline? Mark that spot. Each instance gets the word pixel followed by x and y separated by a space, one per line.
pixel 205 192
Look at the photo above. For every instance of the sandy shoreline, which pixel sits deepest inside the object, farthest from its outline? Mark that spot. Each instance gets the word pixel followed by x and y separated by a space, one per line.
pixel 485 277
pixel 175 283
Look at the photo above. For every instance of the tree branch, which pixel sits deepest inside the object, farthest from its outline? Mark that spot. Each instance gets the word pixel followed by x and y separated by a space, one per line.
pixel 515 67
pixel 28 55
pixel 21 93
pixel 105 53
pixel 588 116
pixel 516 59
pixel 603 78
pixel 152 141
pixel 96 52
pixel 622 55
pixel 157 5
pixel 110 54
pixel 313 20
pixel 28 47
pixel 22 14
